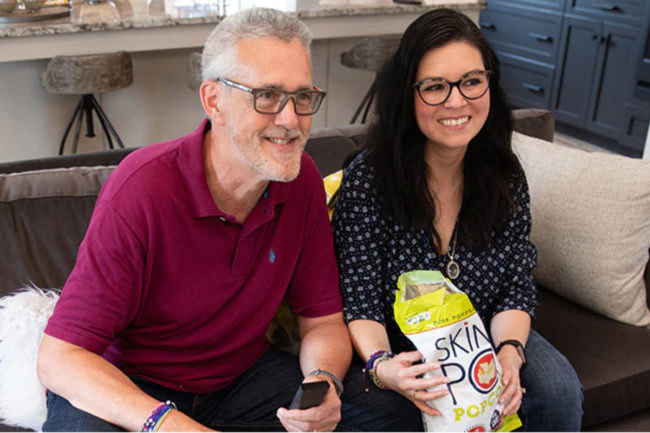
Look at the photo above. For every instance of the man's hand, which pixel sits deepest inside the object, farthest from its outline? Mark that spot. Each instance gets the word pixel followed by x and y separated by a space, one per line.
pixel 318 418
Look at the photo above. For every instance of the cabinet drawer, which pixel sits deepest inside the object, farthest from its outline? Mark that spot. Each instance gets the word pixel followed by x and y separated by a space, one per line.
pixel 527 84
pixel 526 33
pixel 630 12
pixel 547 4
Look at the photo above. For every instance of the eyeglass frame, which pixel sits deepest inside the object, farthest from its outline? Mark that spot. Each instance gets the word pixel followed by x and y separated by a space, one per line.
pixel 452 84
pixel 287 95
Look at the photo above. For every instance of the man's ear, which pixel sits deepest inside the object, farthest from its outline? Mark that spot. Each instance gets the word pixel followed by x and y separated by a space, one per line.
pixel 212 101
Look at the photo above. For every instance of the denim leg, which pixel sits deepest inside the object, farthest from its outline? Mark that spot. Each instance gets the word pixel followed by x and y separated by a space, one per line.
pixel 251 402
pixel 553 401
pixel 62 416
pixel 377 409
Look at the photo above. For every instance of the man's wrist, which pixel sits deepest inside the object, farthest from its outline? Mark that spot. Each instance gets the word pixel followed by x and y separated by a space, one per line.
pixel 338 385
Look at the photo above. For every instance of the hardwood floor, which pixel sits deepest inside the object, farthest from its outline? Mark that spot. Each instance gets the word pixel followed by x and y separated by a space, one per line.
pixel 570 141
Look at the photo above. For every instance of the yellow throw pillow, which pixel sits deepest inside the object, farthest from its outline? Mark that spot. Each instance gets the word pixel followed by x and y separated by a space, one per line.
pixel 332 184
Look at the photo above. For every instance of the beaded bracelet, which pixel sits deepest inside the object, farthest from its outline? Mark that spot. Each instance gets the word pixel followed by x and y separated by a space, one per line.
pixel 373 370
pixel 380 355
pixel 158 415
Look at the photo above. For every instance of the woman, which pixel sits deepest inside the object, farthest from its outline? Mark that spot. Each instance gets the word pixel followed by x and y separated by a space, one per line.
pixel 438 187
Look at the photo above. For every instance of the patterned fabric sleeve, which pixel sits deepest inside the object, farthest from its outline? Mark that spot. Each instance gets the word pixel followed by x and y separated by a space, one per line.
pixel 519 288
pixel 358 241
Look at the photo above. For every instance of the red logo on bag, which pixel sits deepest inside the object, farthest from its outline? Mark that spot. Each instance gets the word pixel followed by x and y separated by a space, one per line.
pixel 484 371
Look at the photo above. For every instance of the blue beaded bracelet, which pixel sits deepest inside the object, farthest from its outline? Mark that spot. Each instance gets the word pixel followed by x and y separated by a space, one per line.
pixel 158 415
pixel 380 355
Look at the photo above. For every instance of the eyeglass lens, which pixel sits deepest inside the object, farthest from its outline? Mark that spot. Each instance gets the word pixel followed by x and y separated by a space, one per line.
pixel 270 101
pixel 436 91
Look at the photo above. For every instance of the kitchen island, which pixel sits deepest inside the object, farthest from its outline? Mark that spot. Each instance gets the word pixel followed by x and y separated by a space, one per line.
pixel 160 35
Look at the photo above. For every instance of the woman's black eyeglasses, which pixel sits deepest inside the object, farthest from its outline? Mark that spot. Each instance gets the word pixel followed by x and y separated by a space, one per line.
pixel 435 91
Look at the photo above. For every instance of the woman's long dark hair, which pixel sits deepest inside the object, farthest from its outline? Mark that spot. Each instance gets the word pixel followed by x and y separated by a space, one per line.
pixel 396 144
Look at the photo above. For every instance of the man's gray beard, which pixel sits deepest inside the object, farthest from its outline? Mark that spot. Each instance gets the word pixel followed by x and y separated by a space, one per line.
pixel 267 176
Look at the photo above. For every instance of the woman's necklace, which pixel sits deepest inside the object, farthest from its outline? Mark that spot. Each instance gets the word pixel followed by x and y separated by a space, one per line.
pixel 453 270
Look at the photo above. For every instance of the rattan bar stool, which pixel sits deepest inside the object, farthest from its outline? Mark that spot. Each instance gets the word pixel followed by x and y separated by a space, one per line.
pixel 369 54
pixel 85 75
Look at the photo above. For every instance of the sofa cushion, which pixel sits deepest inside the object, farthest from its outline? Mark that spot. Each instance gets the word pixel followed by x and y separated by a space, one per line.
pixel 330 146
pixel 612 359
pixel 44 216
pixel 535 122
pixel 591 226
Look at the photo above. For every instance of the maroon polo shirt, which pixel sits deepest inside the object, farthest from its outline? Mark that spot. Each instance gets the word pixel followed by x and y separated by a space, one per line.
pixel 169 288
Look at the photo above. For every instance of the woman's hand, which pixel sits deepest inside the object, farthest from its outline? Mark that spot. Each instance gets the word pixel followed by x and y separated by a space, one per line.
pixel 400 375
pixel 512 391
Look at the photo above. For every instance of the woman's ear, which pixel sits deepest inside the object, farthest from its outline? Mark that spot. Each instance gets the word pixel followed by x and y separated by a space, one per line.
pixel 212 100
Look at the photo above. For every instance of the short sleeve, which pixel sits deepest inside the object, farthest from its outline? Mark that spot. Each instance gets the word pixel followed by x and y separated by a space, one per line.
pixel 102 294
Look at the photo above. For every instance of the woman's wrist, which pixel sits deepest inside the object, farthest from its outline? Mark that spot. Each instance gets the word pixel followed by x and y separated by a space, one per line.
pixel 371 365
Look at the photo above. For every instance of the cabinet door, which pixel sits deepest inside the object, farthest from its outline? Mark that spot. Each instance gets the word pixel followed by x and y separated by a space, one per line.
pixel 614 77
pixel 576 69
pixel 527 33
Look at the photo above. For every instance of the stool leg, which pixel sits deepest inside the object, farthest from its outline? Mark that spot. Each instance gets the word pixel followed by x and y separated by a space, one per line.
pixel 101 122
pixel 77 131
pixel 106 123
pixel 88 109
pixel 67 129
pixel 361 105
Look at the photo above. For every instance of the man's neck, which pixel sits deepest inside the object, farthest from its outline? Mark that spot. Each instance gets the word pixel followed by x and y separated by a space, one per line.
pixel 234 189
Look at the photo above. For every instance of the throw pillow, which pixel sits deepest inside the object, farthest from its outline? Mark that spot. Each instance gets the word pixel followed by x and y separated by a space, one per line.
pixel 591 226
pixel 23 316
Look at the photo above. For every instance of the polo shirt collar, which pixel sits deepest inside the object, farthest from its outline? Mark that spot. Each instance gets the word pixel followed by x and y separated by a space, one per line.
pixel 192 171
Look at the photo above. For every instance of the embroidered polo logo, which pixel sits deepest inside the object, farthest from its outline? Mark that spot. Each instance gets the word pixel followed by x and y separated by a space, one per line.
pixel 272 256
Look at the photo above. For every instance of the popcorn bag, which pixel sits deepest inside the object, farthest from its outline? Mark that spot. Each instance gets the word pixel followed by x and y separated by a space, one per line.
pixel 441 322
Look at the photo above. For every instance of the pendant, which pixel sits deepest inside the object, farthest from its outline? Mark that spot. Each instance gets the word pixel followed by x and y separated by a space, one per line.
pixel 452 269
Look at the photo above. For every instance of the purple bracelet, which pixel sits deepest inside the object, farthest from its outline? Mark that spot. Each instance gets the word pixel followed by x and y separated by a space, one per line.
pixel 383 354
pixel 158 414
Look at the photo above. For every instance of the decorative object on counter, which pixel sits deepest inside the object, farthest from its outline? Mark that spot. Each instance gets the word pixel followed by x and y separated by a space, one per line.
pixel 7 6
pixel 98 11
pixel 31 10
pixel 84 75
pixel 369 54
pixel 194 78
pixel 33 5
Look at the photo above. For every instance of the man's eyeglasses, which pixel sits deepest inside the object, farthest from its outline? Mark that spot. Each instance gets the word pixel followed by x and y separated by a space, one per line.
pixel 435 91
pixel 272 101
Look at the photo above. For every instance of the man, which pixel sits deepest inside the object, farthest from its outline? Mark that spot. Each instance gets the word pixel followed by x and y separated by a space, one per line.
pixel 192 246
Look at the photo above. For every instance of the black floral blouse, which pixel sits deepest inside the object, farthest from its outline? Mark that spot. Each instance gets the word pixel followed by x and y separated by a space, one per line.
pixel 372 252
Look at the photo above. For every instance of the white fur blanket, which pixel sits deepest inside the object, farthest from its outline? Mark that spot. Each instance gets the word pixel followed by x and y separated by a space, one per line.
pixel 23 316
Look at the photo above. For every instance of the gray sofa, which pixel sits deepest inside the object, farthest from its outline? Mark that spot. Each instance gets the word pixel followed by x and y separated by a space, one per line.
pixel 45 206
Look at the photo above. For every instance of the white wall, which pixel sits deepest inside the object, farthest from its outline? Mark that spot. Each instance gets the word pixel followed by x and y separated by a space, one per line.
pixel 157 106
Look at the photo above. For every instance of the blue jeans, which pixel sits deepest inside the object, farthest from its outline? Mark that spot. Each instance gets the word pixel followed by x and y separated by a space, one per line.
pixel 249 404
pixel 553 401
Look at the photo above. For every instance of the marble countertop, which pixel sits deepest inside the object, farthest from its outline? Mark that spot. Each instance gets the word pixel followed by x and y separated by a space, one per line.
pixel 143 14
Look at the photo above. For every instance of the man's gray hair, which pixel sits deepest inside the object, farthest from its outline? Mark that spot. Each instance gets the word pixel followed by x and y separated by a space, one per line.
pixel 219 57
